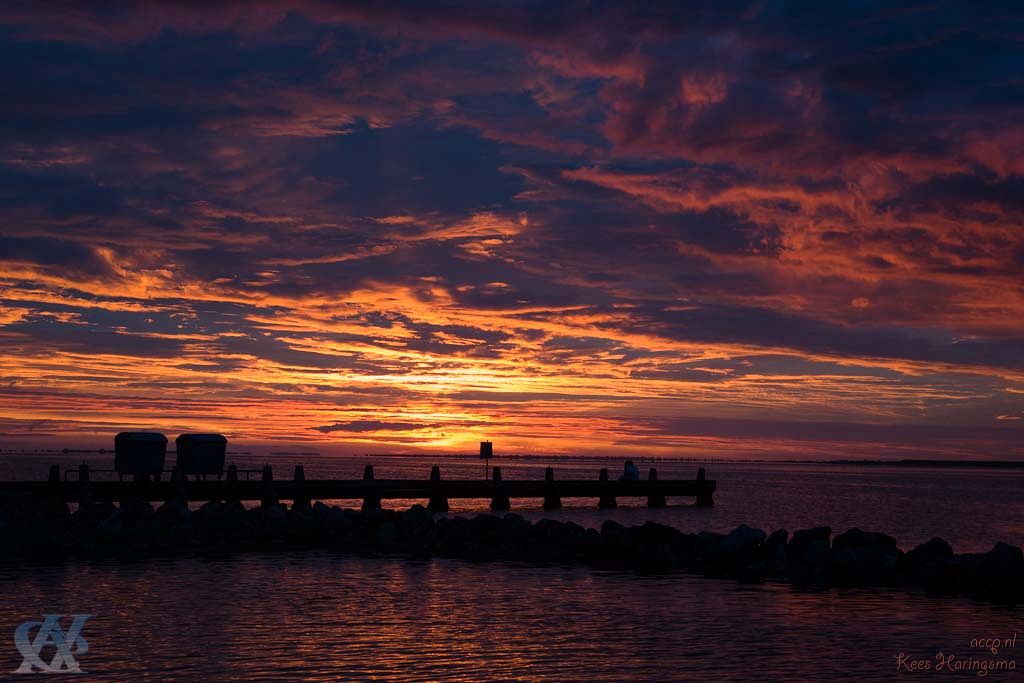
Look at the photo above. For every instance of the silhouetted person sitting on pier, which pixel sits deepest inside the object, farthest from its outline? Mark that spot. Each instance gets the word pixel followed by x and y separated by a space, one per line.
pixel 630 472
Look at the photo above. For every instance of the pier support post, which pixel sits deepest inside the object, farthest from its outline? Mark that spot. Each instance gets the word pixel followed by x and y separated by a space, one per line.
pixel 56 506
pixel 269 495
pixel 655 498
pixel 231 490
pixel 53 481
pixel 85 498
pixel 552 501
pixel 301 500
pixel 438 500
pixel 607 500
pixel 704 491
pixel 178 485
pixel 372 499
pixel 499 498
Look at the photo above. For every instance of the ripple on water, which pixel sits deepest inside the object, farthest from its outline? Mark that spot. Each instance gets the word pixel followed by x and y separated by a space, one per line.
pixel 321 616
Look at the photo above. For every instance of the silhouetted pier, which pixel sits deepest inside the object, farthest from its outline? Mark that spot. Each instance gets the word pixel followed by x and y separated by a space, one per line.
pixel 370 490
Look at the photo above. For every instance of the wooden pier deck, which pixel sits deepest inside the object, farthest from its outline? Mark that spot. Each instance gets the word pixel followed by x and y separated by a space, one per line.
pixel 371 491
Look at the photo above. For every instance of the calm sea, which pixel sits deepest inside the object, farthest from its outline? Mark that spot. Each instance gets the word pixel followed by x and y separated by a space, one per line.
pixel 316 616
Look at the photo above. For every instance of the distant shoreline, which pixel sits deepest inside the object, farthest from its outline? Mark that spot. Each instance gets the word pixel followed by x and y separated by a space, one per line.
pixel 570 457
pixel 911 462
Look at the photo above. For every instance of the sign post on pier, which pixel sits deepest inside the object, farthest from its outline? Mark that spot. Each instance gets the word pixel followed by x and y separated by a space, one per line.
pixel 486 453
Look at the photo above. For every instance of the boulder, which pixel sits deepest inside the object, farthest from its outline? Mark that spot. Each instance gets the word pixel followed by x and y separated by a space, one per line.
pixel 928 556
pixel 777 537
pixel 654 558
pixel 683 548
pixel 340 519
pixel 652 533
pixel 610 528
pixel 416 523
pixel 957 574
pixel 771 557
pixel 566 544
pixel 111 527
pixel 740 541
pixel 386 536
pixel 803 537
pixel 269 520
pixel 994 575
pixel 590 547
pixel 452 535
pixel 135 511
pixel 486 528
pixel 175 510
pixel 515 524
pixel 1003 564
pixel 211 509
pixel 516 533
pixel 733 551
pixel 374 515
pixel 612 547
pixel 703 539
pixel 95 513
pixel 857 539
pixel 864 556
pixel 810 546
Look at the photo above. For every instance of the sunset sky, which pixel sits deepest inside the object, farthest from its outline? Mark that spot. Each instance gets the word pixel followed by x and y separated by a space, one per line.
pixel 751 229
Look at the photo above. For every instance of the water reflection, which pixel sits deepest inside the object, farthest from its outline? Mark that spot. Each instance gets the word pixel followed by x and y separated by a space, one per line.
pixel 318 616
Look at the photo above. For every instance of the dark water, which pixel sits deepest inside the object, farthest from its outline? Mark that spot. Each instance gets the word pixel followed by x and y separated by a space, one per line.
pixel 323 617
pixel 315 616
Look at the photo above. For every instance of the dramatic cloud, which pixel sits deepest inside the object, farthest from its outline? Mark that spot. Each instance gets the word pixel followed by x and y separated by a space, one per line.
pixel 752 228
pixel 371 426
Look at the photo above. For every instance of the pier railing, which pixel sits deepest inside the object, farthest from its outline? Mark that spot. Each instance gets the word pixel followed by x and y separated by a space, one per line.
pixel 371 491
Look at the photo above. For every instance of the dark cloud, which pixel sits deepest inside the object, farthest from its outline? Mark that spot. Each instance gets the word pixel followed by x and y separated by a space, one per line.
pixel 53 253
pixel 762 326
pixel 834 431
pixel 372 426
